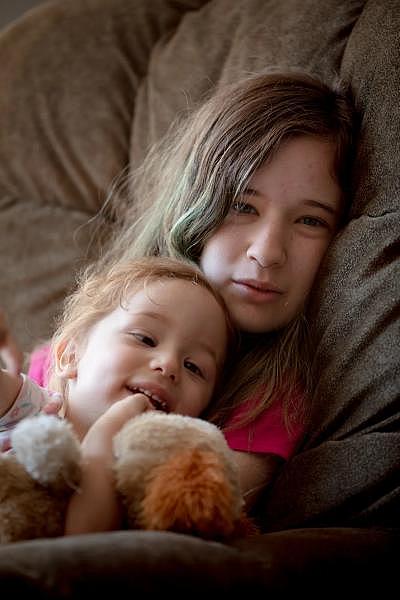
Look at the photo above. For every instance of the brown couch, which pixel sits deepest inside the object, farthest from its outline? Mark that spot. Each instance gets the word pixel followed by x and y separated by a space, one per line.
pixel 86 87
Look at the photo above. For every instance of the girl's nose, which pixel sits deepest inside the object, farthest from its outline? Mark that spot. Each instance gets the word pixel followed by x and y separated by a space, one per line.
pixel 167 364
pixel 267 246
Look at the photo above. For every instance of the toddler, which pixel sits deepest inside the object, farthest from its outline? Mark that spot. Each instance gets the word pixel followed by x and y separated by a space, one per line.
pixel 149 334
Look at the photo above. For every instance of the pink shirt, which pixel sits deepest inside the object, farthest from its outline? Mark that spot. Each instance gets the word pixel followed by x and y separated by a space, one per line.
pixel 39 364
pixel 267 434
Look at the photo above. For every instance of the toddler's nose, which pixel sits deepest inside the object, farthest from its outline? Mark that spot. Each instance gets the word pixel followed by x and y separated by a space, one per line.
pixel 167 364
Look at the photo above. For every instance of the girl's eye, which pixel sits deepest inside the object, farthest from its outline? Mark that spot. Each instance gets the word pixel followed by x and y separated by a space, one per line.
pixel 313 222
pixel 193 367
pixel 144 339
pixel 243 208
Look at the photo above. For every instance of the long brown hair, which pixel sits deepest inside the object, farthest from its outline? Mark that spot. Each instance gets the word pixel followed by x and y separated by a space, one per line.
pixel 186 186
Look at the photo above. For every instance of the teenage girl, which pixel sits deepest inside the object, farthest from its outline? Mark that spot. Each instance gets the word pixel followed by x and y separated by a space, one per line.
pixel 252 188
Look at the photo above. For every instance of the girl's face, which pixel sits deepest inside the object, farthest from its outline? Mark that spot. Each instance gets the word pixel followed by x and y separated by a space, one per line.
pixel 168 342
pixel 265 255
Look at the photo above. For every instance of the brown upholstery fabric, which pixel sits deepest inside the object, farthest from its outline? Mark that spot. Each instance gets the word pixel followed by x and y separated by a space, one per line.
pixel 88 86
pixel 227 40
pixel 69 75
pixel 334 562
pixel 349 468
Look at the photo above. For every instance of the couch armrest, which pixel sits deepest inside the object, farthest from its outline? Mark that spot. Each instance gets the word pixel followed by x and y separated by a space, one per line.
pixel 328 561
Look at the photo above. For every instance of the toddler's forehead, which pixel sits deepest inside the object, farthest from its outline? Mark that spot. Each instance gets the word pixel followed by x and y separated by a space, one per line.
pixel 177 297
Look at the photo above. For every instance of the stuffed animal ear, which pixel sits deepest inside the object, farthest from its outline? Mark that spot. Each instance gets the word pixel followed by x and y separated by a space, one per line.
pixel 66 360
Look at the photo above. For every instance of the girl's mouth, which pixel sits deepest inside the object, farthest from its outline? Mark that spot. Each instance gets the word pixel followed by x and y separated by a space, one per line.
pixel 260 286
pixel 257 292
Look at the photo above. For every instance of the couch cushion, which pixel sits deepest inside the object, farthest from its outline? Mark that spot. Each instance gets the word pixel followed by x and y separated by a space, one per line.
pixel 147 564
pixel 226 40
pixel 69 75
pixel 348 471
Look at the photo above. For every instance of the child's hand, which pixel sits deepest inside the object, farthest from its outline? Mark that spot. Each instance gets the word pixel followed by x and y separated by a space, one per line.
pixel 98 439
pixel 9 351
pixel 131 406
pixel 53 406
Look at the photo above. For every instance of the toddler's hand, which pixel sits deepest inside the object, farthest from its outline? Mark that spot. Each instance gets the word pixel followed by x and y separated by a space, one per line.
pixel 120 412
pixel 98 439
pixel 53 406
pixel 5 443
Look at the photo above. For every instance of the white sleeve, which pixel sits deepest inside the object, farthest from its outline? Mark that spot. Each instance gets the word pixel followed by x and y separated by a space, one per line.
pixel 29 402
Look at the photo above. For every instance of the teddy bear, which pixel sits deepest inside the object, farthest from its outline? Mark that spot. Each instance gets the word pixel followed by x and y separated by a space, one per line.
pixel 172 473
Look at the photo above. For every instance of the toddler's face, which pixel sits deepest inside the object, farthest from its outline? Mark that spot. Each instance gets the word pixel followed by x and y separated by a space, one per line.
pixel 265 256
pixel 168 341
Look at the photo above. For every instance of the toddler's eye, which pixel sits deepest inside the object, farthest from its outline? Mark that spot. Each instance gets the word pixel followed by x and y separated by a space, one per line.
pixel 193 367
pixel 243 208
pixel 144 339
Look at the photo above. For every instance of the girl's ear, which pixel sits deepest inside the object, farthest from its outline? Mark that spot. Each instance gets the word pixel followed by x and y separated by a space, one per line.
pixel 66 360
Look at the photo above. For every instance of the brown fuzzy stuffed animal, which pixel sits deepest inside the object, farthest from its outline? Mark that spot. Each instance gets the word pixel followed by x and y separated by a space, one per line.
pixel 172 472
pixel 37 480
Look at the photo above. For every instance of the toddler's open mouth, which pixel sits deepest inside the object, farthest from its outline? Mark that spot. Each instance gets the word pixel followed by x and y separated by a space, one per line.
pixel 156 401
